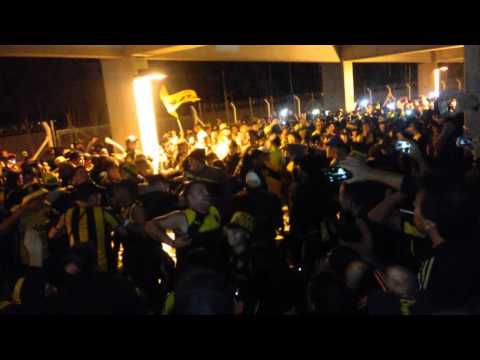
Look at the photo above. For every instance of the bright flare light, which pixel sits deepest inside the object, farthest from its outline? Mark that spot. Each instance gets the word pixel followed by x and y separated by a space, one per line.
pixel 409 112
pixel 391 106
pixel 147 122
pixel 222 149
pixel 433 95
pixel 284 112
pixel 444 68
pixel 364 103
pixel 436 81
pixel 316 112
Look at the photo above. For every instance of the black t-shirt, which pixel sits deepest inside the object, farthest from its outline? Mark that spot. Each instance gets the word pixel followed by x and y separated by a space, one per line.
pixel 450 276
pixel 266 209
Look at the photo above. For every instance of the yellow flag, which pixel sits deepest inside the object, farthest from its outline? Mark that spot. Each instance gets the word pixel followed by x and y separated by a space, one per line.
pixel 174 101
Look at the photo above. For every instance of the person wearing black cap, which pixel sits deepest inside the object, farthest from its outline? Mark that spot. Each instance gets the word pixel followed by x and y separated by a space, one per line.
pixel 196 169
pixel 337 150
pixel 265 207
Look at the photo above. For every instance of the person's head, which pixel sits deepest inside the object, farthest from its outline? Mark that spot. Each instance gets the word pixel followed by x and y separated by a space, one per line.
pixel 400 281
pixel 275 141
pixel 131 143
pixel 336 149
pixel 196 160
pixel 239 231
pixel 75 158
pixel 113 171
pixel 291 139
pixel 355 274
pixel 30 173
pixel 143 167
pixel 331 129
pixel 258 158
pixel 66 172
pixel 80 176
pixel 415 127
pixel 88 194
pixel 124 193
pixel 128 171
pixel 13 180
pixel 104 152
pixel 197 197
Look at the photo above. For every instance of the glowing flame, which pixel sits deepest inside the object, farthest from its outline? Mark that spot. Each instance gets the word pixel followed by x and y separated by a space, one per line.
pixel 168 249
pixel 142 87
pixel 222 149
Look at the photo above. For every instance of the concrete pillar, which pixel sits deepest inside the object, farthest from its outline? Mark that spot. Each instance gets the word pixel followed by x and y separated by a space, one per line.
pixel 426 82
pixel 472 85
pixel 348 87
pixel 338 85
pixel 118 75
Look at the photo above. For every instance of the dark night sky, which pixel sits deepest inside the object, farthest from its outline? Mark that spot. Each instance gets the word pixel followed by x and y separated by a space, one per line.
pixel 36 89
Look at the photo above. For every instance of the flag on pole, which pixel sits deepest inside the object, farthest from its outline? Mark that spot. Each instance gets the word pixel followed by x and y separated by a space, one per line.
pixel 174 101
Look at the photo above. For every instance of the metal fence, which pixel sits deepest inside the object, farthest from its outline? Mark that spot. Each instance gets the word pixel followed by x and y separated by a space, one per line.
pixel 258 107
pixel 66 137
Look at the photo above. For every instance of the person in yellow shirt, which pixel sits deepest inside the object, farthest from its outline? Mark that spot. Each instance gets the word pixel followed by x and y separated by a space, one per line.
pixel 89 225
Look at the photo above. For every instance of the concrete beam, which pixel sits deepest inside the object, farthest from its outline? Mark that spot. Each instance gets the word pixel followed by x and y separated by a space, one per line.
pixel 358 52
pixel 450 55
pixel 63 51
pixel 260 53
pixel 416 58
pixel 152 50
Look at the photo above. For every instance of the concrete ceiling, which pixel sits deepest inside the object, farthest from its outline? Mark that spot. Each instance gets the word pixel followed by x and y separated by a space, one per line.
pixel 273 53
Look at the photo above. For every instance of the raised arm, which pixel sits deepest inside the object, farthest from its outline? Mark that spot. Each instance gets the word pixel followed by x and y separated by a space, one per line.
pixel 116 145
pixel 362 172
pixel 384 212
pixel 157 227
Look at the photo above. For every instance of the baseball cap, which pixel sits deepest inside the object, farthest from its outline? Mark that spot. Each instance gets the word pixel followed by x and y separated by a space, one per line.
pixel 253 180
pixel 243 221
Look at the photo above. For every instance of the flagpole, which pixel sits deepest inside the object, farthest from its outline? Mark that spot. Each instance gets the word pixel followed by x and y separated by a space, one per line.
pixel 182 134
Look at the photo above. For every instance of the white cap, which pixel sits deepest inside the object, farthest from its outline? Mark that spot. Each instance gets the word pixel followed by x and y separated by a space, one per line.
pixel 253 180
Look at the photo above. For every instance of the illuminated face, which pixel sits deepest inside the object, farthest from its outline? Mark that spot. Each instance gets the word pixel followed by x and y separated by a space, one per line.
pixel 237 240
pixel 131 145
pixel 199 198
pixel 195 165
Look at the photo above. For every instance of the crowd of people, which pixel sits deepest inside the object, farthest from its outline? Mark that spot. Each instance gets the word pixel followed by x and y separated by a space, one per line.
pixel 372 211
